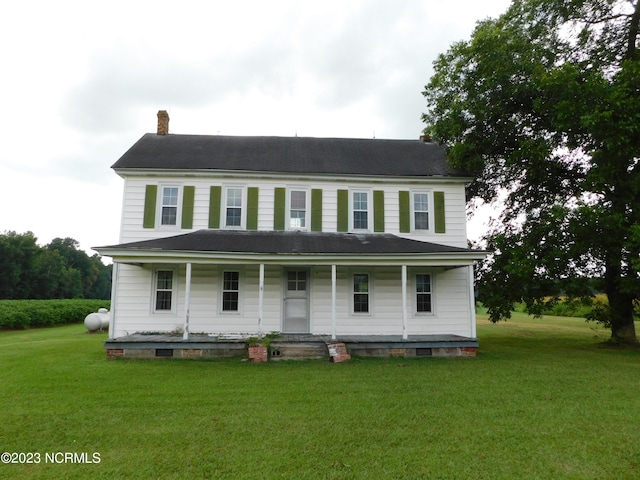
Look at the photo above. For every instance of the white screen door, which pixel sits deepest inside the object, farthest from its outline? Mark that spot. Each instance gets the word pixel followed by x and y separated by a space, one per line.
pixel 296 301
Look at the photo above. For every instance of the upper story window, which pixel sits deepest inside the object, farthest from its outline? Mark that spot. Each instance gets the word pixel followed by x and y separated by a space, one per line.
pixel 169 206
pixel 360 210
pixel 420 214
pixel 422 211
pixel 298 209
pixel 233 205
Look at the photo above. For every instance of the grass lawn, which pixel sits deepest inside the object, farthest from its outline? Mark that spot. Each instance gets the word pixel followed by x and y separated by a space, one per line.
pixel 543 399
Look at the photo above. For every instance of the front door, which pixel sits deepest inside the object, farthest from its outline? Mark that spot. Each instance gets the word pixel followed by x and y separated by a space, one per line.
pixel 296 301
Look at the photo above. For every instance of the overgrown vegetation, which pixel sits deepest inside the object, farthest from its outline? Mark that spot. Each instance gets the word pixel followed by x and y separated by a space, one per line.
pixel 543 399
pixel 19 314
pixel 57 270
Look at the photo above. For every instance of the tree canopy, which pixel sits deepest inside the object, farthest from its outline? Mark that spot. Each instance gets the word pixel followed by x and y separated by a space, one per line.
pixel 57 270
pixel 542 107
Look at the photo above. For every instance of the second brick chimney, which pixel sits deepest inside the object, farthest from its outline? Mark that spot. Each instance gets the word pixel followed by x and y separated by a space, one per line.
pixel 163 122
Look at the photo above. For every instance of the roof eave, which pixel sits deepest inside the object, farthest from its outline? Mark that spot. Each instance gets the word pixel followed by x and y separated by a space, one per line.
pixel 219 173
pixel 122 255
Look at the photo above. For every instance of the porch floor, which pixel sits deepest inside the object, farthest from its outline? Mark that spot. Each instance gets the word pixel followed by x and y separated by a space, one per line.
pixel 289 346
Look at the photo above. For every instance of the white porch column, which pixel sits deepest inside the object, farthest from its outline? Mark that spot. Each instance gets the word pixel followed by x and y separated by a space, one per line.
pixel 112 310
pixel 260 300
pixel 472 303
pixel 333 301
pixel 187 301
pixel 405 314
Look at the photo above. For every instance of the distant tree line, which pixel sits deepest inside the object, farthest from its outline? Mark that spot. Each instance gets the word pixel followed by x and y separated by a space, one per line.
pixel 57 270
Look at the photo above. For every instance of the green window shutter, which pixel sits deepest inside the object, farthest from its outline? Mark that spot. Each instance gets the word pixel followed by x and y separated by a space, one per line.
pixel 215 195
pixel 343 210
pixel 252 208
pixel 438 211
pixel 316 210
pixel 378 211
pixel 279 208
pixel 150 198
pixel 188 195
pixel 405 211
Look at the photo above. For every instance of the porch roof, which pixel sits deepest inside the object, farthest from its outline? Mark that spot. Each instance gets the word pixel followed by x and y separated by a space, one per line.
pixel 270 246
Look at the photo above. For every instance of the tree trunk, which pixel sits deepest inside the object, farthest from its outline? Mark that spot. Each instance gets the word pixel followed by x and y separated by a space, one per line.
pixel 623 330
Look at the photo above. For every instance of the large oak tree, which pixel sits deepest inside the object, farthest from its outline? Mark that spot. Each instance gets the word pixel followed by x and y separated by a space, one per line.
pixel 542 106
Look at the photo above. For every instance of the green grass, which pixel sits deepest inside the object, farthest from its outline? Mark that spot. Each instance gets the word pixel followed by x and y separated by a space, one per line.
pixel 543 399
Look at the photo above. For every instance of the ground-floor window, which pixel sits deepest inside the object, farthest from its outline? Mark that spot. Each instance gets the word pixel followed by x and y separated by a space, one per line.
pixel 164 285
pixel 423 293
pixel 230 291
pixel 361 293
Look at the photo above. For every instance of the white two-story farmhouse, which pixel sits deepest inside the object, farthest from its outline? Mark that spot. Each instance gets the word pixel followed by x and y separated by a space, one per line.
pixel 345 239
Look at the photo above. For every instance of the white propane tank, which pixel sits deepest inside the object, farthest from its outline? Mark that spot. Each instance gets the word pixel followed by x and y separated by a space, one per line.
pixel 97 321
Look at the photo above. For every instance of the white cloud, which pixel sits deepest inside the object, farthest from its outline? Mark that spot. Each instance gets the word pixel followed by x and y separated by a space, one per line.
pixel 83 81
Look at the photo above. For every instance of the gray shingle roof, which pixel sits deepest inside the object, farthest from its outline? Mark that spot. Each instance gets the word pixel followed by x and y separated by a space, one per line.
pixel 305 155
pixel 268 242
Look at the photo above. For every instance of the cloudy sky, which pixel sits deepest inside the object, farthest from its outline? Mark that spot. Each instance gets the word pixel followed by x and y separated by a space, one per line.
pixel 83 80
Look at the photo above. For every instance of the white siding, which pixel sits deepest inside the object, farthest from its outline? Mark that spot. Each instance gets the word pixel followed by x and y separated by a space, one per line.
pixel 134 292
pixel 133 206
pixel 134 312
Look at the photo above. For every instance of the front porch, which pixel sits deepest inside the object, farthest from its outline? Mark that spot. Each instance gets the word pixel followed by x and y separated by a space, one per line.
pixel 289 346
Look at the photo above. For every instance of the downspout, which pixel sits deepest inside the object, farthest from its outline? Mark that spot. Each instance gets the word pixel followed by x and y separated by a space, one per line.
pixel 114 289
pixel 472 302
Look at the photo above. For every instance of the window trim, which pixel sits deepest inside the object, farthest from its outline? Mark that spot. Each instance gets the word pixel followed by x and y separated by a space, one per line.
pixel 369 210
pixel 414 292
pixel 154 291
pixel 160 205
pixel 352 293
pixel 221 290
pixel 412 211
pixel 243 207
pixel 307 209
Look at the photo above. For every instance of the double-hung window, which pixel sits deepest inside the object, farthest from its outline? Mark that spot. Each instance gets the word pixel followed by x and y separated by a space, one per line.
pixel 230 291
pixel 361 292
pixel 420 203
pixel 164 291
pixel 360 210
pixel 424 292
pixel 233 204
pixel 298 217
pixel 169 206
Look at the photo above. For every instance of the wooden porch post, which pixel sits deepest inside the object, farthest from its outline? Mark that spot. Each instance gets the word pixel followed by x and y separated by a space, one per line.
pixel 405 315
pixel 333 302
pixel 260 300
pixel 187 301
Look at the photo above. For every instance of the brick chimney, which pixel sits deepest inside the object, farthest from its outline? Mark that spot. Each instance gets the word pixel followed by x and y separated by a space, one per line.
pixel 163 122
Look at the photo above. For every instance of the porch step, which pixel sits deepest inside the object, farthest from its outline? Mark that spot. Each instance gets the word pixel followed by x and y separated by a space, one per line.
pixel 287 350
